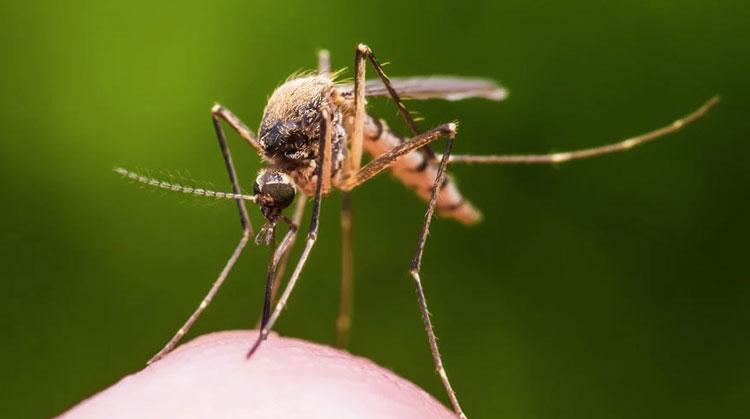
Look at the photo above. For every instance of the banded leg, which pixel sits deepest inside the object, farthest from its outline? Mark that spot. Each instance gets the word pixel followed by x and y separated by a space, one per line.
pixel 355 156
pixel 324 170
pixel 589 152
pixel 344 319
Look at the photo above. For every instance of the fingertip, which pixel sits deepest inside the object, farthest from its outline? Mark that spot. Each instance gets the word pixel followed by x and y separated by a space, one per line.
pixel 285 377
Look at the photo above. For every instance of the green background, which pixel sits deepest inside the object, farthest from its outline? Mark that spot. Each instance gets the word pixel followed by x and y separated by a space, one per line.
pixel 612 287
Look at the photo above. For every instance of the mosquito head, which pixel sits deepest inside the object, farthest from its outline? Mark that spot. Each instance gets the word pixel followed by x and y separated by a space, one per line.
pixel 277 191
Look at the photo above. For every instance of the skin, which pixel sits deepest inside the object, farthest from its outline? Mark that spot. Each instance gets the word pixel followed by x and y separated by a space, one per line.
pixel 286 378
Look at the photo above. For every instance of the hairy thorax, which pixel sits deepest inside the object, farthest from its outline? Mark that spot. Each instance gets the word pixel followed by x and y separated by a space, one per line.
pixel 290 133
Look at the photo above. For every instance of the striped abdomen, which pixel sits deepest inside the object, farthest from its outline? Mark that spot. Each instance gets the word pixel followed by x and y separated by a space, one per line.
pixel 418 173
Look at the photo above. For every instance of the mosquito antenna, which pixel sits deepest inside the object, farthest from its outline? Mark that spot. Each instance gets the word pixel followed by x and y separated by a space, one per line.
pixel 171 186
pixel 186 179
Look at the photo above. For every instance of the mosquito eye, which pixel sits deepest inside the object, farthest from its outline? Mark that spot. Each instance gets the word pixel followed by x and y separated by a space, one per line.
pixel 256 188
pixel 281 193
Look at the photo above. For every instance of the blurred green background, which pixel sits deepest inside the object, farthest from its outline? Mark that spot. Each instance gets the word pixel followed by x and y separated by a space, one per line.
pixel 612 287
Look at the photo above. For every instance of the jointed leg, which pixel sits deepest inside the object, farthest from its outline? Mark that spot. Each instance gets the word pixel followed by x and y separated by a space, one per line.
pixel 269 278
pixel 355 152
pixel 299 211
pixel 322 172
pixel 344 320
pixel 414 271
pixel 352 171
pixel 276 254
pixel 247 229
pixel 364 52
pixel 387 159
pixel 219 112
pixel 589 152
pixel 380 164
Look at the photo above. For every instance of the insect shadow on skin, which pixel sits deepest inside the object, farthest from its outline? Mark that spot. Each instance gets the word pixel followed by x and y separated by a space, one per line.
pixel 312 136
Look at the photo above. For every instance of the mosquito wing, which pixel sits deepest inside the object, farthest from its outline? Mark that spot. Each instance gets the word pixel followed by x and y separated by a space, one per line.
pixel 434 87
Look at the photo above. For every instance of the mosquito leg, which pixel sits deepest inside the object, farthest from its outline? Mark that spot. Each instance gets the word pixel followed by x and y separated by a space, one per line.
pixel 276 255
pixel 344 320
pixel 367 52
pixel 354 159
pixel 218 112
pixel 324 62
pixel 378 165
pixel 589 152
pixel 323 171
pixel 414 271
pixel 355 155
pixel 387 159
pixel 211 293
pixel 299 211
pixel 269 279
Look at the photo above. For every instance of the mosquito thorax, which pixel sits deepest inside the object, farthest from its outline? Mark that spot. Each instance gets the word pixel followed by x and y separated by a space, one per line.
pixel 290 131
pixel 276 190
pixel 288 142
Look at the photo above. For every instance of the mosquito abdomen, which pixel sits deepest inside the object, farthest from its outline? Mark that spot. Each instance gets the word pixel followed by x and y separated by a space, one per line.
pixel 417 172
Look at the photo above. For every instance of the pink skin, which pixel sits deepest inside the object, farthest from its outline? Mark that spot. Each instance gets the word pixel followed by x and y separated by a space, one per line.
pixel 286 378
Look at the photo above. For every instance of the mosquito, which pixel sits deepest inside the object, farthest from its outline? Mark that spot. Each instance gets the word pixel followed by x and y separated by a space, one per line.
pixel 311 138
